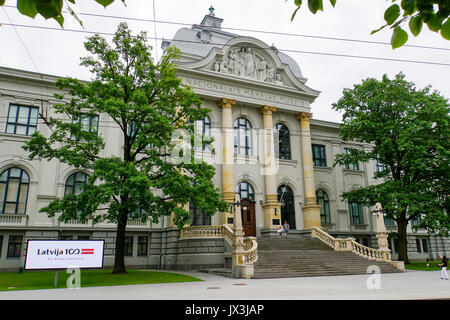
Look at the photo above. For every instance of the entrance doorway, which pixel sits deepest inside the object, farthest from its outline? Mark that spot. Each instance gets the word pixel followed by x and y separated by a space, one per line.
pixel 248 217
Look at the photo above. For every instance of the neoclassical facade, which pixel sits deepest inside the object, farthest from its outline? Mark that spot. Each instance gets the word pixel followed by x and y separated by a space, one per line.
pixel 269 149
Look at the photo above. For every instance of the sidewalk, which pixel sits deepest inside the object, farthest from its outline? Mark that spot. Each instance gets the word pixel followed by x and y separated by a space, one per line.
pixel 407 285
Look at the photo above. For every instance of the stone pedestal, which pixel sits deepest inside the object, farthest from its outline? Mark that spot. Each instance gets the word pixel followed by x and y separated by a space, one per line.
pixel 382 233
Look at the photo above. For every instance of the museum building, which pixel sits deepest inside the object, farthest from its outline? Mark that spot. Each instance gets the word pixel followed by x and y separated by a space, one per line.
pixel 253 91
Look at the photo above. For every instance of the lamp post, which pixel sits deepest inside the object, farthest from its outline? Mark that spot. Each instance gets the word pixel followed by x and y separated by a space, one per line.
pixel 238 257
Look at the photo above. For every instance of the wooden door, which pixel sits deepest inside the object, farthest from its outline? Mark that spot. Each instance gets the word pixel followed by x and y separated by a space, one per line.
pixel 248 217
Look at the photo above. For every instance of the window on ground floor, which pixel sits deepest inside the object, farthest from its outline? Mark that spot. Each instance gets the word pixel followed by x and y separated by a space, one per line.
pixel 142 249
pixel 425 245
pixel 14 246
pixel 419 249
pixel 128 252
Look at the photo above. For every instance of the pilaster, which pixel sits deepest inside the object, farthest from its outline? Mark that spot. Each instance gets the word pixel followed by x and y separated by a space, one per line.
pixel 311 211
pixel 227 156
pixel 272 208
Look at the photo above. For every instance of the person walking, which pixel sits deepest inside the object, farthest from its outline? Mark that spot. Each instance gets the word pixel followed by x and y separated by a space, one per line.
pixel 286 229
pixel 443 264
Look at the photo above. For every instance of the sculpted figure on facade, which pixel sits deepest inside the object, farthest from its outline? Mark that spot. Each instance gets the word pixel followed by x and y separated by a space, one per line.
pixel 278 79
pixel 262 69
pixel 249 63
pixel 244 62
pixel 224 66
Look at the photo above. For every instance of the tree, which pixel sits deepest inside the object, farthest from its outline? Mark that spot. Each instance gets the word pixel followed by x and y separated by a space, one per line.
pixel 50 9
pixel 434 13
pixel 408 130
pixel 146 104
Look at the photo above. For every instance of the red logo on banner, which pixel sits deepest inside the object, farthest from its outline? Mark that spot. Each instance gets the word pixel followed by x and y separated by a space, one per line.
pixel 87 251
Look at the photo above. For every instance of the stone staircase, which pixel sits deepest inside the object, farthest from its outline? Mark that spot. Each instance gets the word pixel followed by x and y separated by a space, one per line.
pixel 306 257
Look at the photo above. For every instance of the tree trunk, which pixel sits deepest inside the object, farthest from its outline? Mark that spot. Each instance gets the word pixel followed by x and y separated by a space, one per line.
pixel 402 223
pixel 119 257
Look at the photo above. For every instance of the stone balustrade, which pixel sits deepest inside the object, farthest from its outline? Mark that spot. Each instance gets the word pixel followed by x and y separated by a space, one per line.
pixel 202 232
pixel 250 244
pixel 13 219
pixel 350 244
pixel 251 252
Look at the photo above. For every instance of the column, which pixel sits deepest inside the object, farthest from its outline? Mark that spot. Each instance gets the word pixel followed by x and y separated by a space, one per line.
pixel 227 157
pixel 272 209
pixel 311 211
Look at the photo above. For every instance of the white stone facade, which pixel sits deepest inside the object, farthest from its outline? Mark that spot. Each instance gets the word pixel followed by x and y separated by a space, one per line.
pixel 155 245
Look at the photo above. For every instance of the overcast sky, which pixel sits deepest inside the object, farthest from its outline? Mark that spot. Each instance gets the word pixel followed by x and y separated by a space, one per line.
pixel 58 52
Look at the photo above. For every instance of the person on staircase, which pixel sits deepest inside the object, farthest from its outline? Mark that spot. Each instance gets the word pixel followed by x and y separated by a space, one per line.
pixel 286 229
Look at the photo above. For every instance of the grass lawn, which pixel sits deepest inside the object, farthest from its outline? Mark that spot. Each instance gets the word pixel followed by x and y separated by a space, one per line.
pixel 31 280
pixel 422 265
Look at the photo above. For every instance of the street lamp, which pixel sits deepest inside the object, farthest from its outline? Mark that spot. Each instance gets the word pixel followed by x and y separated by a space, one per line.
pixel 232 206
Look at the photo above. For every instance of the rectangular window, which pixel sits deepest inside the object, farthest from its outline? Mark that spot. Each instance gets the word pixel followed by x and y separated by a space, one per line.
pixel 65 237
pixel 319 157
pixel 351 165
pixel 389 221
pixel 88 123
pixel 142 246
pixel 425 245
pixel 380 166
pixel 396 245
pixel 419 250
pixel 22 120
pixel 83 237
pixel 14 246
pixel 356 213
pixel 1 245
pixel 128 246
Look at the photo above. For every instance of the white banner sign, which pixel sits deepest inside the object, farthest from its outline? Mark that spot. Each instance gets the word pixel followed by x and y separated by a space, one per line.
pixel 63 254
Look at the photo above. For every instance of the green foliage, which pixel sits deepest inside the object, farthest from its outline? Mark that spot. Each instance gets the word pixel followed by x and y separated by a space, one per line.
pixel 50 9
pixel 408 131
pixel 141 103
pixel 434 13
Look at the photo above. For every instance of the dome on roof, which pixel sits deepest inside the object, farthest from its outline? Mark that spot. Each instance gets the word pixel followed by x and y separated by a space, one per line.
pixel 198 41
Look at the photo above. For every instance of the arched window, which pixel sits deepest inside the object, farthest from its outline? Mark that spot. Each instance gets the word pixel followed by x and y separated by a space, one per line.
pixel 242 136
pixel 245 190
pixel 282 142
pixel 14 185
pixel 324 203
pixel 286 198
pixel 203 128
pixel 76 183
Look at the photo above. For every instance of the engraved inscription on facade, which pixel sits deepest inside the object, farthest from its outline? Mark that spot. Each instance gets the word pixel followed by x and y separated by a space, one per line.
pixel 234 91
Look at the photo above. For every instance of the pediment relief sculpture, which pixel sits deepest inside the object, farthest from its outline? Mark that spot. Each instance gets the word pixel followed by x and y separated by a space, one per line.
pixel 245 63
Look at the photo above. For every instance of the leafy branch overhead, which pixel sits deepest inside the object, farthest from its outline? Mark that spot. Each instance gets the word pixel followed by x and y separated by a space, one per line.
pixel 50 9
pixel 433 13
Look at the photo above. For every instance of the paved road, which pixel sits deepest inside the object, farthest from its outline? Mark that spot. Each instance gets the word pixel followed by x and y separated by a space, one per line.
pixel 407 285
